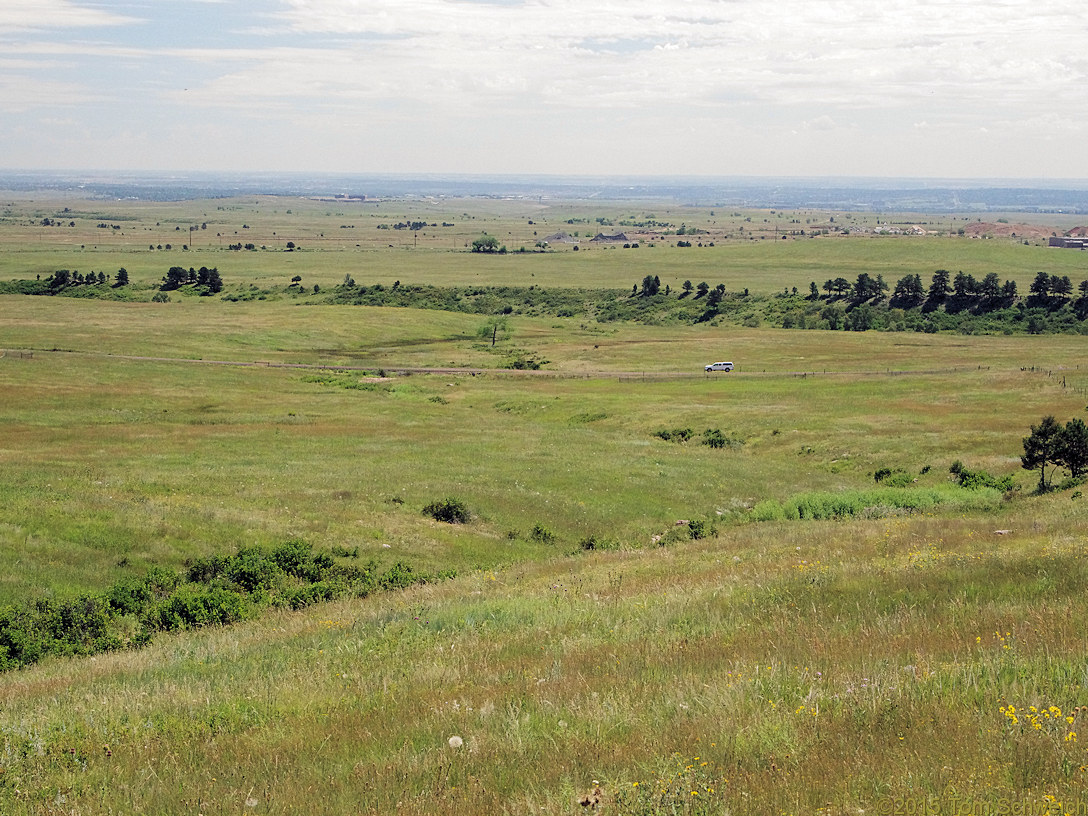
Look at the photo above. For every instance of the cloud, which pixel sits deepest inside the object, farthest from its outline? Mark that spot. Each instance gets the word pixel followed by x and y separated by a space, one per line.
pixel 638 76
pixel 43 15
pixel 821 123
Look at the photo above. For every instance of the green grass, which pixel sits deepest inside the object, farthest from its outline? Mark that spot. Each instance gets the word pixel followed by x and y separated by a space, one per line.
pixel 775 667
pixel 154 461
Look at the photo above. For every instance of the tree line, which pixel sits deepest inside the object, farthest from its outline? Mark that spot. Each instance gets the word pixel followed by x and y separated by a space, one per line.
pixel 63 278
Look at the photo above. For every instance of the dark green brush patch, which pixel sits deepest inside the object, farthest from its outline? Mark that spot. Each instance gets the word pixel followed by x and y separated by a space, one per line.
pixel 216 590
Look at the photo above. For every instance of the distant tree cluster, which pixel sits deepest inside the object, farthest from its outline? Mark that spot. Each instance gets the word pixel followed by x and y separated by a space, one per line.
pixel 487 244
pixel 63 279
pixel 1052 444
pixel 207 280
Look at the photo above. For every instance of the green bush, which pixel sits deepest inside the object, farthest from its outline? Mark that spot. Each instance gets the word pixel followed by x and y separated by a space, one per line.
pixel 716 439
pixel 542 534
pixel 293 557
pixel 303 596
pixel 596 542
pixel 129 597
pixel 675 435
pixel 193 606
pixel 205 570
pixel 448 510
pixel 399 576
pixel 976 479
pixel 253 569
pixel 700 528
pixel 218 590
pixel 74 626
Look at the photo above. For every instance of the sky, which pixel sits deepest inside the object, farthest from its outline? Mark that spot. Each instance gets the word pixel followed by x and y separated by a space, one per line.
pixel 925 88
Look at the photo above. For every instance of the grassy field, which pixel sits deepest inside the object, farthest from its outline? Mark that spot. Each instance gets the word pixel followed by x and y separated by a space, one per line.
pixel 337 239
pixel 891 661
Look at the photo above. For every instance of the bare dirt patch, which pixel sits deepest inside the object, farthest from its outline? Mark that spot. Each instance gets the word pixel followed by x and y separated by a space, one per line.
pixel 999 229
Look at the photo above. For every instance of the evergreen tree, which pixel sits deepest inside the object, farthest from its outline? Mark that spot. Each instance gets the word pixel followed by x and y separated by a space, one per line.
pixel 1061 286
pixel 939 287
pixel 1042 448
pixel 1040 287
pixel 1073 448
pixel 990 288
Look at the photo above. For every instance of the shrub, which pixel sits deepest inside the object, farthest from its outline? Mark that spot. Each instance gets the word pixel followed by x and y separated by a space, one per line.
pixel 977 479
pixel 448 510
pixel 293 557
pixel 129 597
pixel 675 535
pixel 74 625
pixel 300 597
pixel 344 552
pixel 252 569
pixel 257 576
pixel 205 570
pixel 161 582
pixel 192 607
pixel 595 542
pixel 399 576
pixel 675 435
pixel 700 528
pixel 890 477
pixel 542 534
pixel 716 439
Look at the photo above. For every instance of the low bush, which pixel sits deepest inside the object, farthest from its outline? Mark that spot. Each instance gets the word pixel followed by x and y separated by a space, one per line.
pixel 675 435
pixel 216 590
pixel 194 606
pixel 976 479
pixel 716 439
pixel 542 534
pixel 700 528
pixel 448 510
pixel 595 542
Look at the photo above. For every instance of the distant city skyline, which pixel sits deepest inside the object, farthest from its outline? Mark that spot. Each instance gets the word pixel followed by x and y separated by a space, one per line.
pixel 920 89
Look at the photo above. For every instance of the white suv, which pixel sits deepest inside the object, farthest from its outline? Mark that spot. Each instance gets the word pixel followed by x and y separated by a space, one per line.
pixel 720 367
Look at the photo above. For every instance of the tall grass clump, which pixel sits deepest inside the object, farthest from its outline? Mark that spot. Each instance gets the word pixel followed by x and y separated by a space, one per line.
pixel 875 503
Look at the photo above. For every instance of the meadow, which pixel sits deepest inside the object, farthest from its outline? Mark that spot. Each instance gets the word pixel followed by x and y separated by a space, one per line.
pixel 738 248
pixel 589 649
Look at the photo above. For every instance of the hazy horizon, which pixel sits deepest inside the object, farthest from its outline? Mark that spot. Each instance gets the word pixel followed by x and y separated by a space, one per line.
pixel 924 89
pixel 830 193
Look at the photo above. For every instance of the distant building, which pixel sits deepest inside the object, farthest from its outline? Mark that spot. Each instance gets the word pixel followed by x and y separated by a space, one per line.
pixel 619 237
pixel 1066 242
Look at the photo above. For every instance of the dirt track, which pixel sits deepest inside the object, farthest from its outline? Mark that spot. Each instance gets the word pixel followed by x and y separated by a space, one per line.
pixel 475 372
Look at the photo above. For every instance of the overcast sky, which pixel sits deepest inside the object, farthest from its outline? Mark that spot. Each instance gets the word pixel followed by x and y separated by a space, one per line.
pixel 925 88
